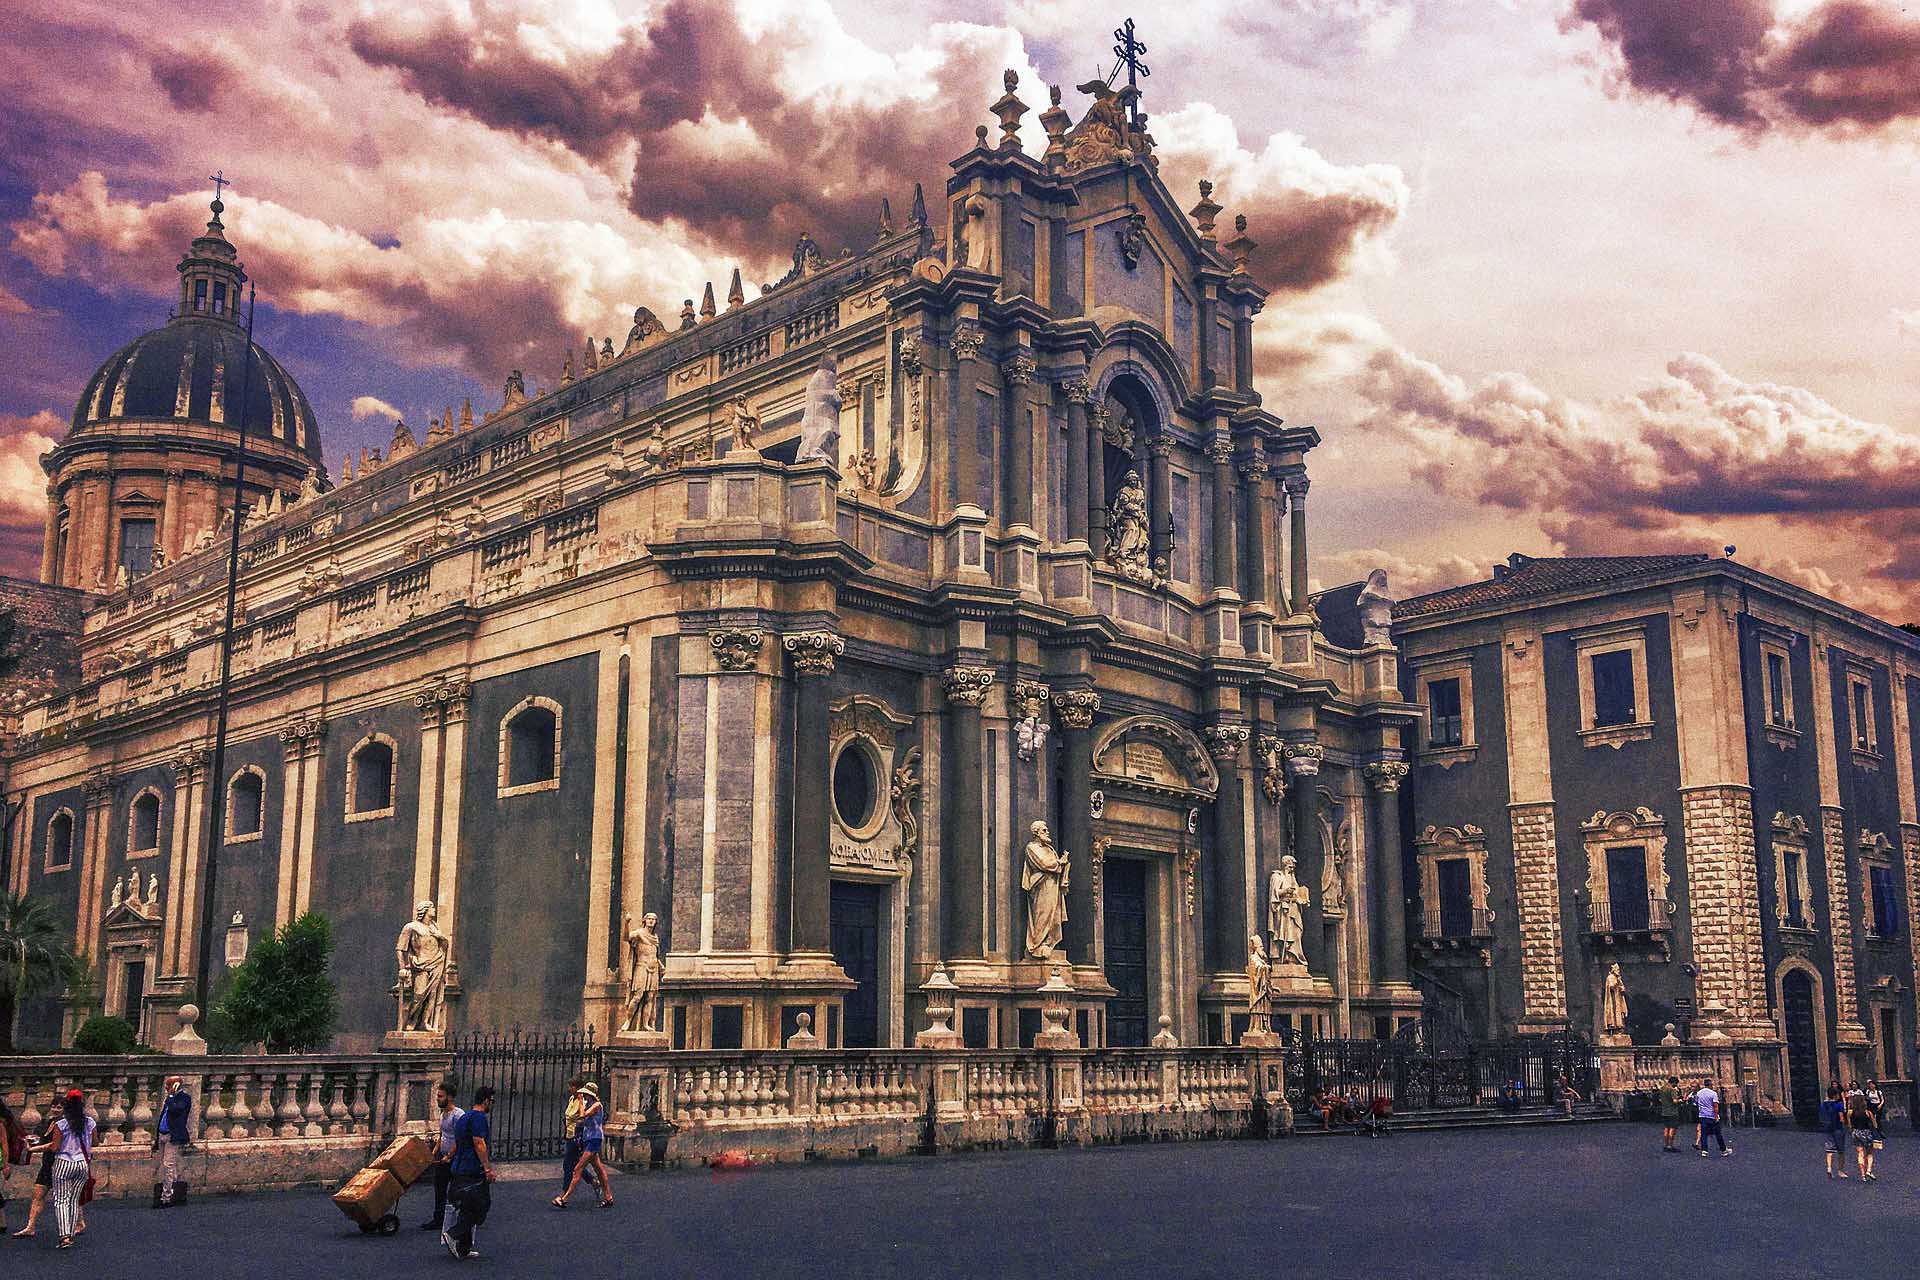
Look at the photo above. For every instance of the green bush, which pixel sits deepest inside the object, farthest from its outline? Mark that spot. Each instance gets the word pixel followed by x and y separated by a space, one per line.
pixel 105 1035
pixel 283 996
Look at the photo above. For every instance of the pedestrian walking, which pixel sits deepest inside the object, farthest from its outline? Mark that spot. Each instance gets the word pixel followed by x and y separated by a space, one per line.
pixel 443 1155
pixel 1672 1098
pixel 1860 1121
pixel 48 1150
pixel 470 1180
pixel 592 1133
pixel 13 1150
pixel 171 1136
pixel 1833 1128
pixel 570 1138
pixel 1877 1103
pixel 1707 1103
pixel 72 1166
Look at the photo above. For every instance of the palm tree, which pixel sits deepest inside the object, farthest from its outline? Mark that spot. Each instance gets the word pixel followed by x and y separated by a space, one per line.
pixel 34 956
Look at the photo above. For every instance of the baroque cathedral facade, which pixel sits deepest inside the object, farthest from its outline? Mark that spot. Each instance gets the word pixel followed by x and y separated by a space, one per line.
pixel 788 626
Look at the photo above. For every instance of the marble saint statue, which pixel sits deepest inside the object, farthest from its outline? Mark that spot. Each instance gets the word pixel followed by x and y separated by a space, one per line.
pixel 1613 1001
pixel 1044 878
pixel 1127 536
pixel 1285 896
pixel 422 951
pixel 1376 610
pixel 1259 984
pixel 643 981
pixel 820 425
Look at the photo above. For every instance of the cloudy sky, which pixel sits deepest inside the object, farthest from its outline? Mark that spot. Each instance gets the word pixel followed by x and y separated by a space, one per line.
pixel 1555 276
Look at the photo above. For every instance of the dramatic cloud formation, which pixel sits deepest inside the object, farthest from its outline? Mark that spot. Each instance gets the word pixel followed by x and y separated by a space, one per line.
pixel 23 487
pixel 1846 64
pixel 375 407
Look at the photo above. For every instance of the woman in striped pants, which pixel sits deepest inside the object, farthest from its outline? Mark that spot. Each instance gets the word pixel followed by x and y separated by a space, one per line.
pixel 74 1130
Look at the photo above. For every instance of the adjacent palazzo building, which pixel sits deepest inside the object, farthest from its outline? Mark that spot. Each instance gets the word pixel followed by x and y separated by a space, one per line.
pixel 621 647
pixel 1684 767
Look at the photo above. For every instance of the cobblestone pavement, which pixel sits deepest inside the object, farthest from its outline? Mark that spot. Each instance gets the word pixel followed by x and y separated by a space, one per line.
pixel 1596 1200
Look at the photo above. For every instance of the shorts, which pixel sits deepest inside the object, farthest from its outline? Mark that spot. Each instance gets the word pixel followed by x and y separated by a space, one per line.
pixel 45 1177
pixel 589 1144
pixel 1836 1142
pixel 1863 1138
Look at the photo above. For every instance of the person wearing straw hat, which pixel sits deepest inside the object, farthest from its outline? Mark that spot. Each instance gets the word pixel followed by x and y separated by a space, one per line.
pixel 591 1132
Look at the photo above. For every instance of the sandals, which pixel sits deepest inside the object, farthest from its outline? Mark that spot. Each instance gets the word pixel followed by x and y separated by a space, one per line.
pixel 607 1203
pixel 558 1202
pixel 23 1234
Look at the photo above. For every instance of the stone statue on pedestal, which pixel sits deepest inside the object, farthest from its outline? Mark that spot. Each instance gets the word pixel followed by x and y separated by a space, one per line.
pixel 1259 984
pixel 1127 536
pixel 422 951
pixel 643 982
pixel 1044 878
pixel 1285 896
pixel 1613 1002
pixel 820 427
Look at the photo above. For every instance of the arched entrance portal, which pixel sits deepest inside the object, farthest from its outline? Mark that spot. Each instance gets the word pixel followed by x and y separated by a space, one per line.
pixel 1803 1044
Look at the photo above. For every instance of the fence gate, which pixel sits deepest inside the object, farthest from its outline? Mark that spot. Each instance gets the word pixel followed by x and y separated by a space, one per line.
pixel 529 1071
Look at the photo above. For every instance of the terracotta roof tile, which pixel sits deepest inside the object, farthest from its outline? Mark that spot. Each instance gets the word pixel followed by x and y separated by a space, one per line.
pixel 1524 577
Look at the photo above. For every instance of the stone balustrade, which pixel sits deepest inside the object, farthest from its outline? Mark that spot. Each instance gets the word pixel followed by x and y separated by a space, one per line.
pixel 1628 1069
pixel 258 1121
pixel 684 1107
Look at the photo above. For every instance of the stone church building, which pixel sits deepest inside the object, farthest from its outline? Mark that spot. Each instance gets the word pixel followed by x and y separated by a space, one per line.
pixel 785 624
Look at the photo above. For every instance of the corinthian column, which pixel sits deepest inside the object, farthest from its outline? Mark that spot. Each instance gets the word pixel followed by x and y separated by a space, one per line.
pixel 1077 708
pixel 1098 419
pixel 1296 485
pixel 813 654
pixel 1018 375
pixel 1256 475
pixel 1078 393
pixel 1303 766
pixel 965 484
pixel 1390 899
pixel 963 852
pixel 1226 500
pixel 1227 911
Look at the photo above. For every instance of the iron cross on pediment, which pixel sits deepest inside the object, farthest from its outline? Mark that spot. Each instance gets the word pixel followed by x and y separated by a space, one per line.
pixel 1131 53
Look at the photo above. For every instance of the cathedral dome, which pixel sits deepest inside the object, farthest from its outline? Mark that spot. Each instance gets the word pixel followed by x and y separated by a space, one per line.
pixel 192 370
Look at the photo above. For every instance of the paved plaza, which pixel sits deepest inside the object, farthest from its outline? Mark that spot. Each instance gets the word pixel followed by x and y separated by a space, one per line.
pixel 1597 1200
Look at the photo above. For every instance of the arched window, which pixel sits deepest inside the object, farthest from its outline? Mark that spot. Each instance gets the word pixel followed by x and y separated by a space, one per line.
pixel 143 825
pixel 530 747
pixel 246 804
pixel 370 779
pixel 60 841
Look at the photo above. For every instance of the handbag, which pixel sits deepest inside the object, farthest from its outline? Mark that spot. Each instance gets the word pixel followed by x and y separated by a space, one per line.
pixel 86 1149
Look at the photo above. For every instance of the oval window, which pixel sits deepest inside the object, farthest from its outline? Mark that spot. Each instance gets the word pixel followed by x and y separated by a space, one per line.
pixel 854 788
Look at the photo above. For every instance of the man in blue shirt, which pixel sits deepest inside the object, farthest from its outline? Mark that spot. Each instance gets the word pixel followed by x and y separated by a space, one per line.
pixel 469 1184
pixel 170 1138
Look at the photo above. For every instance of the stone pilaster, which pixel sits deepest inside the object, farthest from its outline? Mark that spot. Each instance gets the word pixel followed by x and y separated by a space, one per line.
pixel 1256 475
pixel 1296 486
pixel 1097 419
pixel 1723 888
pixel 1227 909
pixel 176 943
pixel 813 654
pixel 1536 875
pixel 1078 394
pixel 1846 986
pixel 1076 709
pixel 1017 373
pixel 1226 501
pixel 1303 767
pixel 968 368
pixel 1160 462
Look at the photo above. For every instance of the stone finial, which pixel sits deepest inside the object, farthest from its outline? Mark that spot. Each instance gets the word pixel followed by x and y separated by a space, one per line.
pixel 590 359
pixel 606 350
pixel 566 370
pixel 687 320
pixel 919 214
pixel 980 136
pixel 1056 122
pixel 466 408
pixel 516 390
pixel 346 469
pixel 1009 109
pixel 186 1043
pixel 707 310
pixel 1242 245
pixel 1166 1039
pixel 803 1038
pixel 402 443
pixel 939 991
pixel 886 218
pixel 1205 212
pixel 736 295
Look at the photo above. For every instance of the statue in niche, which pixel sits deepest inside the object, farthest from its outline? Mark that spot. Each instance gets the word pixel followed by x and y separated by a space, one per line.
pixel 1333 880
pixel 1613 1002
pixel 1259 985
pixel 643 981
pixel 1127 534
pixel 1044 878
pixel 1285 896
pixel 820 426
pixel 422 951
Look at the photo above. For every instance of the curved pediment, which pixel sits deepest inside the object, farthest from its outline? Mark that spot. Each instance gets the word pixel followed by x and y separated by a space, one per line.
pixel 1152 753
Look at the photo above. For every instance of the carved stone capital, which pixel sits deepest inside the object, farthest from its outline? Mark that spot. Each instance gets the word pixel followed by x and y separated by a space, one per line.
pixel 813 652
pixel 966 342
pixel 1019 370
pixel 1303 758
pixel 1162 445
pixel 1077 707
pixel 1220 450
pixel 1295 483
pixel 1267 751
pixel 967 685
pixel 1030 700
pixel 738 648
pixel 1225 740
pixel 1387 775
pixel 189 764
pixel 1079 390
pixel 1257 470
pixel 98 787
pixel 302 736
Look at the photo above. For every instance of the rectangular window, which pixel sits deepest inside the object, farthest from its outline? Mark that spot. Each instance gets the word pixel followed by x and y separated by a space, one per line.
pixel 1777 690
pixel 1627 898
pixel 1886 902
pixel 1455 876
pixel 1862 715
pixel 136 546
pixel 1613 692
pixel 219 298
pixel 199 295
pixel 1795 891
pixel 1889 1044
pixel 1443 707
pixel 727 1025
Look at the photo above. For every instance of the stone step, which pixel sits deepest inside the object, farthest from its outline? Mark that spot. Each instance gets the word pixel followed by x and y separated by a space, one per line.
pixel 1464 1118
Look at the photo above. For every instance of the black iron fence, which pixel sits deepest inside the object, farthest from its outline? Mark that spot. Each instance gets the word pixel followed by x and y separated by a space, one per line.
pixel 1417 1074
pixel 529 1071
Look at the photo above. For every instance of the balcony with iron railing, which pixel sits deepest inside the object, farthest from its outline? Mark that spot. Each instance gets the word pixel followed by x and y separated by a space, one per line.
pixel 1613 917
pixel 1443 924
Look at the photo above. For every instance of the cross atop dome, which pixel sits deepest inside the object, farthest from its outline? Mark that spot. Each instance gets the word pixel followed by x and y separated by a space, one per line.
pixel 210 271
